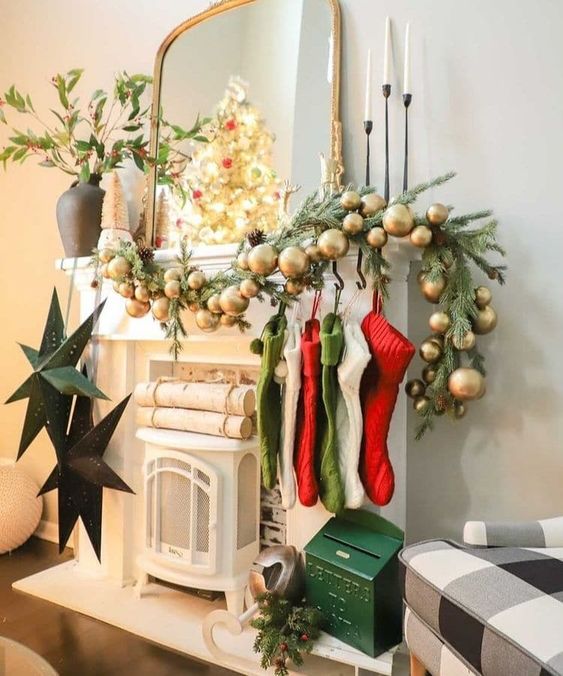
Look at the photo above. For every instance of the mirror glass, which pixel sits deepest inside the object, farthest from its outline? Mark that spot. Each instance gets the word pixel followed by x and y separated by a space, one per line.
pixel 258 78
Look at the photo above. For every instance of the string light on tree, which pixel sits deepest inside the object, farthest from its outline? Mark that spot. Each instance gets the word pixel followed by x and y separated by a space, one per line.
pixel 232 186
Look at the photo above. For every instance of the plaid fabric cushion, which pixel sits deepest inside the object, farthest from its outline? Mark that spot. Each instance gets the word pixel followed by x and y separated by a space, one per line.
pixel 541 533
pixel 436 656
pixel 499 610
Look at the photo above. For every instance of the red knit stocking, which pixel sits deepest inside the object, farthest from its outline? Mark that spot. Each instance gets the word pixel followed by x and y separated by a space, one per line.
pixel 308 412
pixel 391 353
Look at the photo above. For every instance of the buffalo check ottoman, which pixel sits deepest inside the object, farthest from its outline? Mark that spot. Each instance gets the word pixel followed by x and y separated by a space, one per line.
pixel 477 610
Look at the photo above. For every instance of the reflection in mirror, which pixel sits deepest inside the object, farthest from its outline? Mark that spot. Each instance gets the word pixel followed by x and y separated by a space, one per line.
pixel 258 76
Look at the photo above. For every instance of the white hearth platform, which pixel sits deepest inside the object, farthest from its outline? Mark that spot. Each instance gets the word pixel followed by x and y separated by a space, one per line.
pixel 172 619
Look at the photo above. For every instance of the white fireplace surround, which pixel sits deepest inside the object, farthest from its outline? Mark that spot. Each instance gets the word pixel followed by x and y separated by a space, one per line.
pixel 135 350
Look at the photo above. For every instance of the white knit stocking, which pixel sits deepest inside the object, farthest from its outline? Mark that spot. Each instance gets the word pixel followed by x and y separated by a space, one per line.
pixel 292 387
pixel 349 419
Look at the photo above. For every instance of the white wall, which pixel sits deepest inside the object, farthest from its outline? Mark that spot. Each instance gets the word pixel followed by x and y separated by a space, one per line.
pixel 488 102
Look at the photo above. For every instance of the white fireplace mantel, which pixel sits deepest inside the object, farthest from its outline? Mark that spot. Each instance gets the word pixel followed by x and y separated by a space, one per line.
pixel 133 350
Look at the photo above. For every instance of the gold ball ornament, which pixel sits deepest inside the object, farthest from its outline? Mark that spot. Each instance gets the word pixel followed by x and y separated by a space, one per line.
pixel 126 289
pixel 293 261
pixel 314 253
pixel 333 244
pixel 421 404
pixel 207 321
pixel 294 287
pixel 429 374
pixel 249 288
pixel 193 307
pixel 214 303
pixel 106 255
pixel 398 220
pixel 459 410
pixel 104 271
pixel 437 214
pixel 466 343
pixel 227 320
pixel 116 286
pixel 242 260
pixel 136 308
pixel 483 297
pixel 161 309
pixel 439 322
pixel 430 352
pixel 173 275
pixel 350 200
pixel 432 290
pixel 142 294
pixel 172 289
pixel 353 224
pixel 466 384
pixel 263 259
pixel 196 280
pixel 485 322
pixel 232 302
pixel 415 388
pixel 376 238
pixel 421 236
pixel 118 267
pixel 371 204
pixel 438 339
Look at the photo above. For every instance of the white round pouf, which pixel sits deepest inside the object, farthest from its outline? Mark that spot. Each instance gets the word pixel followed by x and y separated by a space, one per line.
pixel 20 507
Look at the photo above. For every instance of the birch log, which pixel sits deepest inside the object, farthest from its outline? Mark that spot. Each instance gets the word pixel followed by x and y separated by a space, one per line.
pixel 220 397
pixel 202 422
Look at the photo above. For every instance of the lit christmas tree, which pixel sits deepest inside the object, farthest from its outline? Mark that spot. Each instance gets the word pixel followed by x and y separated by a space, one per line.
pixel 231 185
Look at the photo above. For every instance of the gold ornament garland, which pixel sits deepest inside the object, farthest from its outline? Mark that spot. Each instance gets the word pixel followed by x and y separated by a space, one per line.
pixel 318 233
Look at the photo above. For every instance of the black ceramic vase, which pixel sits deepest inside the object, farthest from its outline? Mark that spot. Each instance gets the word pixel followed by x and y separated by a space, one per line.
pixel 79 214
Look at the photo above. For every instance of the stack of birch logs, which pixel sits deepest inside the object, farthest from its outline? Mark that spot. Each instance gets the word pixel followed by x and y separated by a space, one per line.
pixel 219 409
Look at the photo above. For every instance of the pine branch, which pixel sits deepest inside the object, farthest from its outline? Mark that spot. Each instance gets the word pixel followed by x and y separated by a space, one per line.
pixel 409 196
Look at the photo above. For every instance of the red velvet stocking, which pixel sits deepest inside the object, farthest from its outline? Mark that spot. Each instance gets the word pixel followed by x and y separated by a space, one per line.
pixel 391 353
pixel 309 410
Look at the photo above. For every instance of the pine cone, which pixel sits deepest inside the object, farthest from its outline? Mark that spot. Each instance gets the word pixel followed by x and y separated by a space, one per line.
pixel 255 237
pixel 146 253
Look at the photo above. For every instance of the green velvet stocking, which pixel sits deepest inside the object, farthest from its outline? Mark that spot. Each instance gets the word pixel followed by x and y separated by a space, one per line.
pixel 331 489
pixel 268 399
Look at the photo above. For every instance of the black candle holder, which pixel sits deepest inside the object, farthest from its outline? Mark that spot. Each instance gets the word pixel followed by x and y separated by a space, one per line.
pixel 407 98
pixel 386 89
pixel 368 128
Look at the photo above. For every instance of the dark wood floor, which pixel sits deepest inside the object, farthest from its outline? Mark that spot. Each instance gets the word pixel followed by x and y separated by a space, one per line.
pixel 75 644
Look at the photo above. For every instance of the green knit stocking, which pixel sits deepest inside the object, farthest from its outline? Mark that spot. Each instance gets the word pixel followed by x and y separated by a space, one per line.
pixel 331 489
pixel 268 399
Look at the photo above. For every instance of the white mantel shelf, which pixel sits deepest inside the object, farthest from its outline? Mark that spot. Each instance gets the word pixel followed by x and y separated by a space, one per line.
pixel 135 350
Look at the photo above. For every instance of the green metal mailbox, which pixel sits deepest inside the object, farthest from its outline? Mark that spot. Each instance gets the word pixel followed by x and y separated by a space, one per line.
pixel 352 577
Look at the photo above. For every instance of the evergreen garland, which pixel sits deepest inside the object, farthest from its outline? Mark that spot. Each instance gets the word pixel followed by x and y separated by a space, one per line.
pixel 285 632
pixel 454 250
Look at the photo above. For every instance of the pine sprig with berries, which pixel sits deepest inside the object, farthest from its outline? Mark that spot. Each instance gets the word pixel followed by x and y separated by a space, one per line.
pixel 285 632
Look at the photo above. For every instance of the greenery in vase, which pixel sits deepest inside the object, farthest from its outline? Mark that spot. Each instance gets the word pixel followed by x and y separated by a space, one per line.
pixel 98 138
pixel 285 632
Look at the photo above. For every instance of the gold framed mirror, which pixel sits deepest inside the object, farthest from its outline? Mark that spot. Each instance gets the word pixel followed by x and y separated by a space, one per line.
pixel 269 68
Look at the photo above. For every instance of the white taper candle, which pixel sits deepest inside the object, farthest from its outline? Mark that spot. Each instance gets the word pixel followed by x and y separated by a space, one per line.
pixel 367 109
pixel 387 53
pixel 407 71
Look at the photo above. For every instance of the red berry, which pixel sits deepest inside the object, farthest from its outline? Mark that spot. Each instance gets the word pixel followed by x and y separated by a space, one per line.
pixel 197 194
pixel 158 241
pixel 304 637
pixel 283 647
pixel 231 124
pixel 227 162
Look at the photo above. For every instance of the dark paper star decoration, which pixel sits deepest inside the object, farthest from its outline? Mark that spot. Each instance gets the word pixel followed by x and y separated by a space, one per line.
pixel 82 474
pixel 55 385
pixel 55 379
